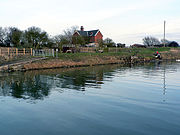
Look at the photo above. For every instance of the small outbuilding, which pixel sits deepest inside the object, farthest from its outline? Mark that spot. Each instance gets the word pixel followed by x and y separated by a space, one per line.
pixel 138 46
pixel 173 44
pixel 68 49
pixel 121 45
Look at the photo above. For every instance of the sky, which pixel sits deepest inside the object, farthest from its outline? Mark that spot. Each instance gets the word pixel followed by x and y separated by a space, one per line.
pixel 124 21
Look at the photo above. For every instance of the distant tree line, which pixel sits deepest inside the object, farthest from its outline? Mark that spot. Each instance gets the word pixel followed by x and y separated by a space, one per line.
pixel 35 37
pixel 152 41
pixel 108 42
pixel 32 37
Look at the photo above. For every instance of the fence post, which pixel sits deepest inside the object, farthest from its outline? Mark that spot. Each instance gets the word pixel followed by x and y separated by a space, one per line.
pixel 56 53
pixel 8 51
pixel 49 52
pixel 31 51
pixel 16 52
pixel 53 52
pixel 24 51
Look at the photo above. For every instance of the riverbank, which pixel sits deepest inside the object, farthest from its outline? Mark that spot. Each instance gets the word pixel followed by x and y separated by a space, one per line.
pixel 126 56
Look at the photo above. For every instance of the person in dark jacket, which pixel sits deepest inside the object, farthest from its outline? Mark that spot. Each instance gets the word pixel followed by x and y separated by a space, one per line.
pixel 157 55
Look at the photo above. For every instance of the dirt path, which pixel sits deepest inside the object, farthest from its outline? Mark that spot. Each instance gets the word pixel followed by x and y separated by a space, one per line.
pixel 6 66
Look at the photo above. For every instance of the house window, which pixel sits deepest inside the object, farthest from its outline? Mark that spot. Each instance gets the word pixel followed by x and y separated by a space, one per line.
pixel 91 34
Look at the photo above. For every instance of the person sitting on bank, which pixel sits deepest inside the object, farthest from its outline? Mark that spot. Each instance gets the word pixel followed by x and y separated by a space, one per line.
pixel 157 55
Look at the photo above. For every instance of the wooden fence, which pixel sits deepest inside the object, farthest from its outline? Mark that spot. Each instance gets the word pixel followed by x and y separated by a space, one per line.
pixel 45 52
pixel 115 49
pixel 88 49
pixel 11 51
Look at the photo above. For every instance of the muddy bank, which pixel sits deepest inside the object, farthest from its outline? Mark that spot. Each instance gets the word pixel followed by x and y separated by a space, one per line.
pixel 58 63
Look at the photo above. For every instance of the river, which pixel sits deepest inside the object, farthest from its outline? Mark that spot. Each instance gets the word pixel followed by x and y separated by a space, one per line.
pixel 100 100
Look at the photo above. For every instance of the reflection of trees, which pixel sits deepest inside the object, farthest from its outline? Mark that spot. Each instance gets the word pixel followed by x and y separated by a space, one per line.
pixel 35 85
pixel 33 88
pixel 26 87
pixel 79 78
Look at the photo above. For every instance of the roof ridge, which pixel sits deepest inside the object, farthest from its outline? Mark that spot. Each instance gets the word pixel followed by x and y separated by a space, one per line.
pixel 89 30
pixel 88 33
pixel 93 30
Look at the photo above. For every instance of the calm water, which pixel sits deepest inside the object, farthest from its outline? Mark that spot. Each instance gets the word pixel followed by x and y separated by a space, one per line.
pixel 103 100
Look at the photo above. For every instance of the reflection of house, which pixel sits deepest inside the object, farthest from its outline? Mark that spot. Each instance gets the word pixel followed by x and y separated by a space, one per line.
pixel 93 36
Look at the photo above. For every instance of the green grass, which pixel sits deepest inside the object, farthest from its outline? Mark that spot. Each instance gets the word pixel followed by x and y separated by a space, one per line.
pixel 124 52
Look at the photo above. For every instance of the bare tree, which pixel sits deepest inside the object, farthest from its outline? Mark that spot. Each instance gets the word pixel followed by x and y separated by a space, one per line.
pixel 78 40
pixel 68 33
pixel 165 41
pixel 2 36
pixel 150 41
pixel 57 40
pixel 100 42
pixel 60 40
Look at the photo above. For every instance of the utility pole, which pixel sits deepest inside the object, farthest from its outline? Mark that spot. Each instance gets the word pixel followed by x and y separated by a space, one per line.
pixel 164 33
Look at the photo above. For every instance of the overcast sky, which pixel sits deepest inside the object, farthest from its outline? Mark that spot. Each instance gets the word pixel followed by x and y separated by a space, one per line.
pixel 125 21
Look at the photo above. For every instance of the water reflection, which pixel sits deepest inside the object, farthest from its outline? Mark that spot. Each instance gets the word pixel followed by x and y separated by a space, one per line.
pixel 37 85
pixel 22 86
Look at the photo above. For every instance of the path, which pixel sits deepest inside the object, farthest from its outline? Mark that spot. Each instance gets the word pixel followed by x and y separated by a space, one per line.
pixel 18 62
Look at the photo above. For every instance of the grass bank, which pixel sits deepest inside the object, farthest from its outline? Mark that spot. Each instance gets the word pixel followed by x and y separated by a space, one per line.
pixel 120 56
pixel 124 52
pixel 109 56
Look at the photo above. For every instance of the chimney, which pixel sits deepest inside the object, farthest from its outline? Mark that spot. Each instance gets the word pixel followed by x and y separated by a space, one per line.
pixel 82 28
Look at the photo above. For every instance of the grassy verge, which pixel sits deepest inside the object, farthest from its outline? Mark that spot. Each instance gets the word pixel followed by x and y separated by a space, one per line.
pixel 124 52
pixel 121 56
